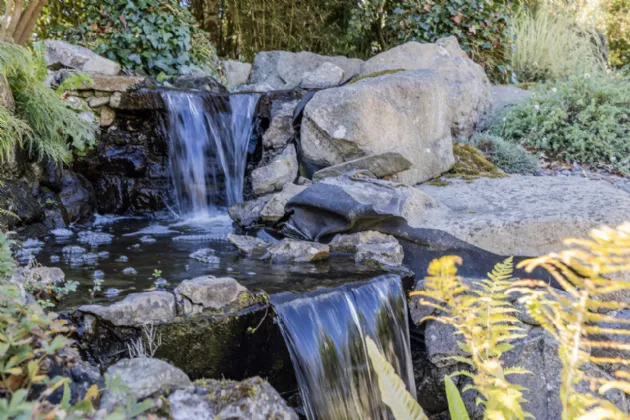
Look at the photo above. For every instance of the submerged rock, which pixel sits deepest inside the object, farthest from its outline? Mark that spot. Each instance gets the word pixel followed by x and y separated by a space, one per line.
pixel 291 250
pixel 95 238
pixel 252 399
pixel 205 255
pixel 211 294
pixel 62 233
pixel 281 171
pixel 406 112
pixel 144 377
pixel 130 271
pixel 249 245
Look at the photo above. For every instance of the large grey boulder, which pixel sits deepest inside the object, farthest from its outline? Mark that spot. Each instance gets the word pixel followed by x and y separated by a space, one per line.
pixel 291 250
pixel 526 215
pixel 380 165
pixel 144 377
pixel 136 309
pixel 286 70
pixel 352 203
pixel 325 76
pixel 236 72
pixel 249 245
pixel 6 96
pixel 251 399
pixel 248 212
pixel 209 293
pixel 405 112
pixel 60 54
pixel 469 90
pixel 275 175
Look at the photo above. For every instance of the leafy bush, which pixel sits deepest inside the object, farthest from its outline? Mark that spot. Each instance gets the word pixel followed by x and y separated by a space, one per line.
pixel 585 118
pixel 510 157
pixel 481 28
pixel 7 264
pixel 148 36
pixel 548 45
pixel 42 121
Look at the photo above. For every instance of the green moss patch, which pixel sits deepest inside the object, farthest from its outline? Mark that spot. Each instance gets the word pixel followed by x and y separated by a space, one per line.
pixel 470 163
pixel 376 74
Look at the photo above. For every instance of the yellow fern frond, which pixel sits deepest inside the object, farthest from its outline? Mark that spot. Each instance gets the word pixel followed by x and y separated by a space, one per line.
pixel 393 390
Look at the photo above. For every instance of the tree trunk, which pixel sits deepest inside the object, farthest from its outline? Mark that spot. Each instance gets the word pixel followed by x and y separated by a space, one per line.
pixel 28 20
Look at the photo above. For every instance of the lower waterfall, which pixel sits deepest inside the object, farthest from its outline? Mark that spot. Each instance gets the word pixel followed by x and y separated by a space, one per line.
pixel 325 333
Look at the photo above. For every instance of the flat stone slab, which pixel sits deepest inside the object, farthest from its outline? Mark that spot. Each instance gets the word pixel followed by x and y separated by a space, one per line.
pixel 525 215
pixel 381 165
pixel 136 309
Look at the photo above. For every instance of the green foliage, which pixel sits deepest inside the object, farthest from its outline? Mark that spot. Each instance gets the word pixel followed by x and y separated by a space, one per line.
pixel 481 28
pixel 74 81
pixel 393 390
pixel 147 36
pixel 510 157
pixel 585 118
pixel 51 121
pixel 12 131
pixel 616 25
pixel 548 44
pixel 456 406
pixel 484 317
pixel 7 264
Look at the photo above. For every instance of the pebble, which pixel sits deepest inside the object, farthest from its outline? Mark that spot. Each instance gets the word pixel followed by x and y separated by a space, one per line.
pixel 130 271
pixel 54 258
pixel 95 238
pixel 61 233
pixel 112 292
pixel 122 259
pixel 98 274
pixel 73 250
pixel 103 255
pixel 148 240
pixel 205 255
pixel 160 282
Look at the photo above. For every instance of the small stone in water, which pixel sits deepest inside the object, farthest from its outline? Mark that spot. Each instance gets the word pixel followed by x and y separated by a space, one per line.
pixel 130 271
pixel 135 246
pixel 251 273
pixel 122 259
pixel 32 243
pixel 112 292
pixel 73 250
pixel 98 274
pixel 95 238
pixel 103 254
pixel 230 269
pixel 54 258
pixel 205 255
pixel 160 282
pixel 148 240
pixel 62 233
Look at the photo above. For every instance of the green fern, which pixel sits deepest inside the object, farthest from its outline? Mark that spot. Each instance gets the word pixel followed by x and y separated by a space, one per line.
pixel 13 131
pixel 52 122
pixel 393 390
pixel 456 406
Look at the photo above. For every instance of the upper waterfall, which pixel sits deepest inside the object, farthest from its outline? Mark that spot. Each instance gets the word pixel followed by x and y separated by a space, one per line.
pixel 208 140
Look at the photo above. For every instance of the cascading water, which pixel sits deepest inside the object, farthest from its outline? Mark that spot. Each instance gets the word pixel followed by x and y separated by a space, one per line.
pixel 325 333
pixel 209 137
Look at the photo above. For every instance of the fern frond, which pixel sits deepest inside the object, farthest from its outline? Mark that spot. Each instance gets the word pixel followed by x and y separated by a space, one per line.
pixel 586 273
pixel 393 390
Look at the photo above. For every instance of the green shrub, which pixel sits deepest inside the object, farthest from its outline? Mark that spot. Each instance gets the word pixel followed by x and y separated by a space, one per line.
pixel 548 45
pixel 148 36
pixel 585 118
pixel 7 264
pixel 481 28
pixel 509 157
pixel 616 23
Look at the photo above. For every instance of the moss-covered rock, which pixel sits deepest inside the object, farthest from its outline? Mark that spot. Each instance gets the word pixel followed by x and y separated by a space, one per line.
pixel 470 163
pixel 375 74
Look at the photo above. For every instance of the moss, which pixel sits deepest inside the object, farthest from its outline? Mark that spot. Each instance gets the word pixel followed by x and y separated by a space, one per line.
pixel 376 74
pixel 527 86
pixel 470 164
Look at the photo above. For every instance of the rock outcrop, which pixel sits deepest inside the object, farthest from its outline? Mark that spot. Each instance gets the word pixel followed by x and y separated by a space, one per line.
pixel 469 91
pixel 406 112
pixel 236 72
pixel 275 175
pixel 286 70
pixel 60 55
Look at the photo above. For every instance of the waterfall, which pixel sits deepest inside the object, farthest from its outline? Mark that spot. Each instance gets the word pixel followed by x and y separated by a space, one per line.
pixel 208 140
pixel 325 333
